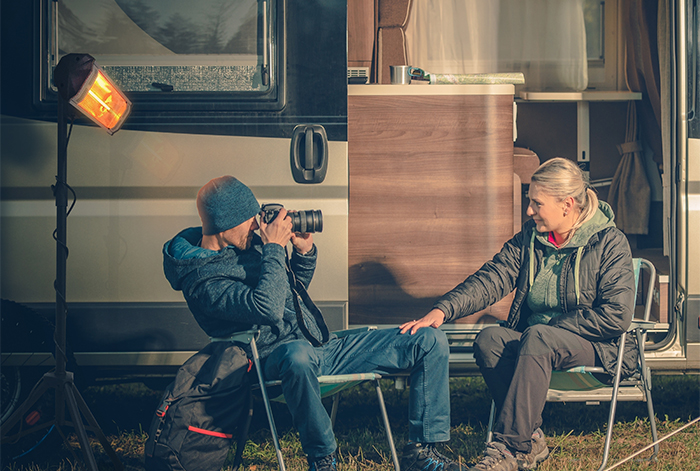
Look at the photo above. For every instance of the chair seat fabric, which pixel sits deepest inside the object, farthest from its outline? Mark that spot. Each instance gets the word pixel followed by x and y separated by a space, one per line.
pixel 331 384
pixel 575 379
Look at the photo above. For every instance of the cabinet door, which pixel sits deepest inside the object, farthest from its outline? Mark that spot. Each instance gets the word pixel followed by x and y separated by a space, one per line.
pixel 360 33
pixel 431 199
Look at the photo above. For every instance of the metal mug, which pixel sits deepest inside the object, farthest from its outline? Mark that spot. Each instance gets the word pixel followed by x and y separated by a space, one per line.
pixel 399 74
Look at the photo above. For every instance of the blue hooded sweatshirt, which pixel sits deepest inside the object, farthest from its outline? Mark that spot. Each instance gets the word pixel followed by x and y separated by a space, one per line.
pixel 233 290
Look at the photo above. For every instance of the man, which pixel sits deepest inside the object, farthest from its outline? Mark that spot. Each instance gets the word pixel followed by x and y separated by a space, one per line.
pixel 234 279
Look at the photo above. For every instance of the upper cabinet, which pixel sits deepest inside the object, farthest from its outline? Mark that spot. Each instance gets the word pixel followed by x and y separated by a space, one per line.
pixel 360 33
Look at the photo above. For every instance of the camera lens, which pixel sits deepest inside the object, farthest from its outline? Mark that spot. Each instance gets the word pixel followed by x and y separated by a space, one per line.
pixel 306 222
pixel 303 222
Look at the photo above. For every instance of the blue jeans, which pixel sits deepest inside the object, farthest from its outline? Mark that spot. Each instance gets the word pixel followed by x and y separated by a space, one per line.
pixel 386 351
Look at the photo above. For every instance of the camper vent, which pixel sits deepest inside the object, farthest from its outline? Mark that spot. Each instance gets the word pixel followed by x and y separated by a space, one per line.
pixel 358 75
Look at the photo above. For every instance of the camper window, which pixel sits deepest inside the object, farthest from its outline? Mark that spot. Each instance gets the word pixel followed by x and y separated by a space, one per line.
pixel 602 39
pixel 178 46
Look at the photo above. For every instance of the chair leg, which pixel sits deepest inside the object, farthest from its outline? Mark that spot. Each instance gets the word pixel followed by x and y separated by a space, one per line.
pixel 334 408
pixel 611 422
pixel 652 421
pixel 492 419
pixel 387 427
pixel 613 401
pixel 646 381
pixel 266 401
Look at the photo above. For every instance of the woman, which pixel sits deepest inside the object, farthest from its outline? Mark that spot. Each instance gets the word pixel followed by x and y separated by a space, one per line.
pixel 572 272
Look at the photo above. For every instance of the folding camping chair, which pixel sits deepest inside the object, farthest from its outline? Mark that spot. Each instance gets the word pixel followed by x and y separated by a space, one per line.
pixel 582 384
pixel 331 385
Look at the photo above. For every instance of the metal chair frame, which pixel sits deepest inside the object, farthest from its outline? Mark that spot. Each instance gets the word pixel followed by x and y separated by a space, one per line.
pixel 585 387
pixel 332 385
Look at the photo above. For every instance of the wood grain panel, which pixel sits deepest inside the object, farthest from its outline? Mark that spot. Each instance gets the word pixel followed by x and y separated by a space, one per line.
pixel 431 199
pixel 360 33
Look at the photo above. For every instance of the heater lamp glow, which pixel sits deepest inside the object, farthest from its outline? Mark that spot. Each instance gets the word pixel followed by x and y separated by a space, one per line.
pixel 102 101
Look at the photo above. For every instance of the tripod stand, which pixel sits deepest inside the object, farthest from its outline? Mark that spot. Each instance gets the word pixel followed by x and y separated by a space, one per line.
pixel 60 380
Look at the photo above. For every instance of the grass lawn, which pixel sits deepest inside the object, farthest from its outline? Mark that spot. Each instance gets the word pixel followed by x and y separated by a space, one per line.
pixel 575 432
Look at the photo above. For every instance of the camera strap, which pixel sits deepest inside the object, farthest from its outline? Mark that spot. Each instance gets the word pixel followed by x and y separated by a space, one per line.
pixel 300 295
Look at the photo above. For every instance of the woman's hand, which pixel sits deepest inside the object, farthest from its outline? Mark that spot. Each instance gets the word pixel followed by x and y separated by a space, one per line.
pixel 434 318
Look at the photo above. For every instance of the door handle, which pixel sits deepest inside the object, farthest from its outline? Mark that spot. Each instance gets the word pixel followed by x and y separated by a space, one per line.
pixel 309 153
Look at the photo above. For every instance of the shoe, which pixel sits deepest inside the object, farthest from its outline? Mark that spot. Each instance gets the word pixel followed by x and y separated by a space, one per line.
pixel 424 457
pixel 325 463
pixel 538 454
pixel 497 457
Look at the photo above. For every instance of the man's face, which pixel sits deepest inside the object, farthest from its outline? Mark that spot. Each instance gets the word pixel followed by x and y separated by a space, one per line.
pixel 241 236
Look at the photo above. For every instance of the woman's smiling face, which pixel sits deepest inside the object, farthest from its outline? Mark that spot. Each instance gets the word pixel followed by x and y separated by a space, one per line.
pixel 548 213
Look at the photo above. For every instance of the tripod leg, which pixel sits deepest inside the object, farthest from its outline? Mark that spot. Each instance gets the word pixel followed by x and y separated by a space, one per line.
pixel 67 443
pixel 95 428
pixel 79 427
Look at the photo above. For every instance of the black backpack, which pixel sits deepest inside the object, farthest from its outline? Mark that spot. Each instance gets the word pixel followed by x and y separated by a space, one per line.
pixel 193 428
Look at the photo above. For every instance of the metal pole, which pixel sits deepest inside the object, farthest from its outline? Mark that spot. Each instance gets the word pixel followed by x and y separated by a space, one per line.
pixel 60 193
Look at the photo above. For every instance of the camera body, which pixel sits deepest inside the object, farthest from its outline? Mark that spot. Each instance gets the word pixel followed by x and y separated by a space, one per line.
pixel 304 221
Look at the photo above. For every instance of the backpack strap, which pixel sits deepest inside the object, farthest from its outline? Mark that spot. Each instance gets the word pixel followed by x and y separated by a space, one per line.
pixel 160 413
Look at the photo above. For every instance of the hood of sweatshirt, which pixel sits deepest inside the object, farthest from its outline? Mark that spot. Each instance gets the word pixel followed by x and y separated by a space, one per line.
pixel 603 218
pixel 182 257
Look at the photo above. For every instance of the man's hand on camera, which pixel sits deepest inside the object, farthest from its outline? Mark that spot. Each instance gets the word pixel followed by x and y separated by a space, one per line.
pixel 279 231
pixel 434 318
pixel 302 242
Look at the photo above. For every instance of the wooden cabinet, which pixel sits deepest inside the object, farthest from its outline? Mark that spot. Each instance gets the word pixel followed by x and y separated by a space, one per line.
pixel 431 193
pixel 360 33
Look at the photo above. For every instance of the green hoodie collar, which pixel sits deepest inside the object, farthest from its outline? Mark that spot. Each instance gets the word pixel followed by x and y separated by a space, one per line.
pixel 603 218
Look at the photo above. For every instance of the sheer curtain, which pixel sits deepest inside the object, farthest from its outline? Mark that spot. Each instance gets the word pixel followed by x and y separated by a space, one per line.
pixel 543 39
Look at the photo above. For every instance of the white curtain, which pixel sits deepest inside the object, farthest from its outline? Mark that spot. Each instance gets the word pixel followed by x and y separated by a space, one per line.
pixel 543 39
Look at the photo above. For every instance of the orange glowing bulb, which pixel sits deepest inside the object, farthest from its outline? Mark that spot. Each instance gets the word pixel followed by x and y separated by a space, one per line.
pixel 102 101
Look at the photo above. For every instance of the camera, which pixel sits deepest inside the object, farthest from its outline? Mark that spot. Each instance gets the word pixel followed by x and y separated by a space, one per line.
pixel 303 222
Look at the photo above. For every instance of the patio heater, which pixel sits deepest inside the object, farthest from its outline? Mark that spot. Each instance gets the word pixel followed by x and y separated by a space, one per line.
pixel 85 86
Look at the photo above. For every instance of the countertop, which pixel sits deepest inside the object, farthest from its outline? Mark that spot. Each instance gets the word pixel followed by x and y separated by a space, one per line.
pixel 426 89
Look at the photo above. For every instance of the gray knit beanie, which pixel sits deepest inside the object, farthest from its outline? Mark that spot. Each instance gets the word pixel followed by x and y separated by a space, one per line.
pixel 223 203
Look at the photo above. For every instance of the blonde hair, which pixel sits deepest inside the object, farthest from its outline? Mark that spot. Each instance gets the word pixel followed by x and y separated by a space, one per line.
pixel 561 178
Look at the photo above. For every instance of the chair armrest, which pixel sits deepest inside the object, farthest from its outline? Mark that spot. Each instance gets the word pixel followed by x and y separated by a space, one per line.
pixel 358 330
pixel 245 336
pixel 640 324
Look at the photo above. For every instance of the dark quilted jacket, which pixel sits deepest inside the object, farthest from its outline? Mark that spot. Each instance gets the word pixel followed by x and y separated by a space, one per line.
pixel 600 313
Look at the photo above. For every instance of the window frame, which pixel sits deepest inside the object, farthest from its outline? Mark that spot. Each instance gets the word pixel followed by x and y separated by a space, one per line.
pixel 273 99
pixel 607 73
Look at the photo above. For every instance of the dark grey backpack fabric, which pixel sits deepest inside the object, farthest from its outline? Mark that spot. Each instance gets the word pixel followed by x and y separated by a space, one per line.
pixel 201 411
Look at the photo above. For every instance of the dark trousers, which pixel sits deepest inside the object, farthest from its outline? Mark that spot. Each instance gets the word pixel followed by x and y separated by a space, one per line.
pixel 517 368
